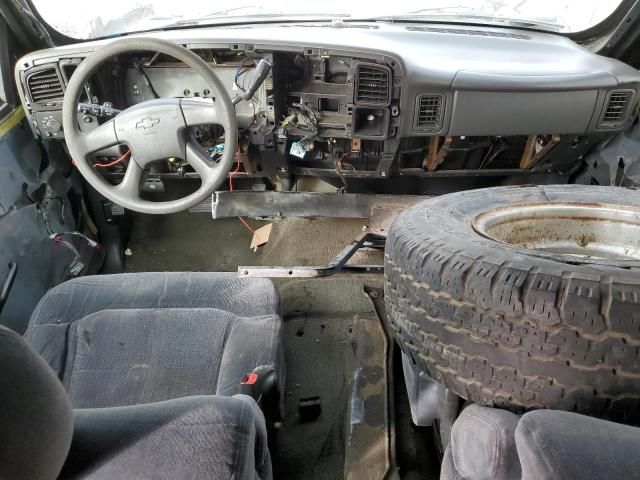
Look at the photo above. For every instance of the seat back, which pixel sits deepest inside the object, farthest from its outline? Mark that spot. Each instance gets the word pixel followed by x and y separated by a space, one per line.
pixel 489 443
pixel 36 420
pixel 482 446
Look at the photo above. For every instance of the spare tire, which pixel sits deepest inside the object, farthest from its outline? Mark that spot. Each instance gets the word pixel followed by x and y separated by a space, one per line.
pixel 523 297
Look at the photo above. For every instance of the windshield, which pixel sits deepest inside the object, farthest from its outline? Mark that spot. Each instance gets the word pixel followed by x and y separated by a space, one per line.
pixel 85 19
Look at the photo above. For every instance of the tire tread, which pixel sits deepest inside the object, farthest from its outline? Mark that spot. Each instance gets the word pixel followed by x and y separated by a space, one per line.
pixel 502 335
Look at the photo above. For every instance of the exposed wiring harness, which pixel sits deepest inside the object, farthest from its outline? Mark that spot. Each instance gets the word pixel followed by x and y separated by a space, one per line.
pixel 340 164
pixel 232 174
pixel 117 161
pixel 120 159
pixel 76 266
pixel 92 243
pixel 302 118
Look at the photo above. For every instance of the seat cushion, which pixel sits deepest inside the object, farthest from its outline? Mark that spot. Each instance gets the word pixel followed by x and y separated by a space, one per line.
pixel 203 437
pixel 118 340
pixel 554 445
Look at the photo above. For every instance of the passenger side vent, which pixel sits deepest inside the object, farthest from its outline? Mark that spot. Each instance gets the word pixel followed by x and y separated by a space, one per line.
pixel 373 85
pixel 429 110
pixel 45 85
pixel 466 31
pixel 616 109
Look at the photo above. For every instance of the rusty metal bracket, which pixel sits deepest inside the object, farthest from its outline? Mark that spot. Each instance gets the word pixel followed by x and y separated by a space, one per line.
pixel 339 263
pixel 435 155
pixel 530 156
pixel 529 152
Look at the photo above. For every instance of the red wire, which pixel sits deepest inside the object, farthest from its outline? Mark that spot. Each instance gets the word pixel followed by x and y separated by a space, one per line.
pixel 59 241
pixel 247 225
pixel 115 162
pixel 231 175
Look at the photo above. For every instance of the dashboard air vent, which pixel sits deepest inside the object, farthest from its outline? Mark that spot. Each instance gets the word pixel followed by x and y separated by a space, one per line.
pixel 616 108
pixel 45 85
pixel 373 85
pixel 429 108
pixel 466 31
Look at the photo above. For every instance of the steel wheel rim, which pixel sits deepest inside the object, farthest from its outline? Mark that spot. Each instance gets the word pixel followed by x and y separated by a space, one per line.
pixel 573 229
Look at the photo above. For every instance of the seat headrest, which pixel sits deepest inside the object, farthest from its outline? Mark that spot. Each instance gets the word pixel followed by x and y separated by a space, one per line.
pixel 36 420
pixel 483 444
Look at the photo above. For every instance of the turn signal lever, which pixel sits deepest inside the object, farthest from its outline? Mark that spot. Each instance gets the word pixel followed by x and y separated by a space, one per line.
pixel 259 76
pixel 104 110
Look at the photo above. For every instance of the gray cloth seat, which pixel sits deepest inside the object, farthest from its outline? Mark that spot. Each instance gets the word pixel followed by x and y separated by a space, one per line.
pixel 197 437
pixel 152 365
pixel 200 437
pixel 488 443
pixel 117 340
pixel 36 421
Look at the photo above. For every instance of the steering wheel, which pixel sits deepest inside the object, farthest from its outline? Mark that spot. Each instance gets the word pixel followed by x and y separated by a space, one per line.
pixel 153 130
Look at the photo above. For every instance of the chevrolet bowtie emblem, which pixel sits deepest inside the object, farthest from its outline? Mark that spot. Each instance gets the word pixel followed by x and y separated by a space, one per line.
pixel 148 122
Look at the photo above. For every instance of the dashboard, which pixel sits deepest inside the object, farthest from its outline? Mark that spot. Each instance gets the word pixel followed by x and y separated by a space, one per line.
pixel 365 100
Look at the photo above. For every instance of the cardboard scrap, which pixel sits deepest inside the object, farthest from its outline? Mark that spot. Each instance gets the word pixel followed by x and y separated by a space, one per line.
pixel 261 236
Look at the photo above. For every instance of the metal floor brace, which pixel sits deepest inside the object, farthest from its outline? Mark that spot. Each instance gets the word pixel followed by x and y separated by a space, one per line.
pixel 339 263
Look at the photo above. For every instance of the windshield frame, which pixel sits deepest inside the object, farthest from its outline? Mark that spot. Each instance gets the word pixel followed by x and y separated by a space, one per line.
pixel 613 21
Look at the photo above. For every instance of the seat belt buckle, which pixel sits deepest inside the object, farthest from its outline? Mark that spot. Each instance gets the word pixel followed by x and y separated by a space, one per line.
pixel 258 382
pixel 249 379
